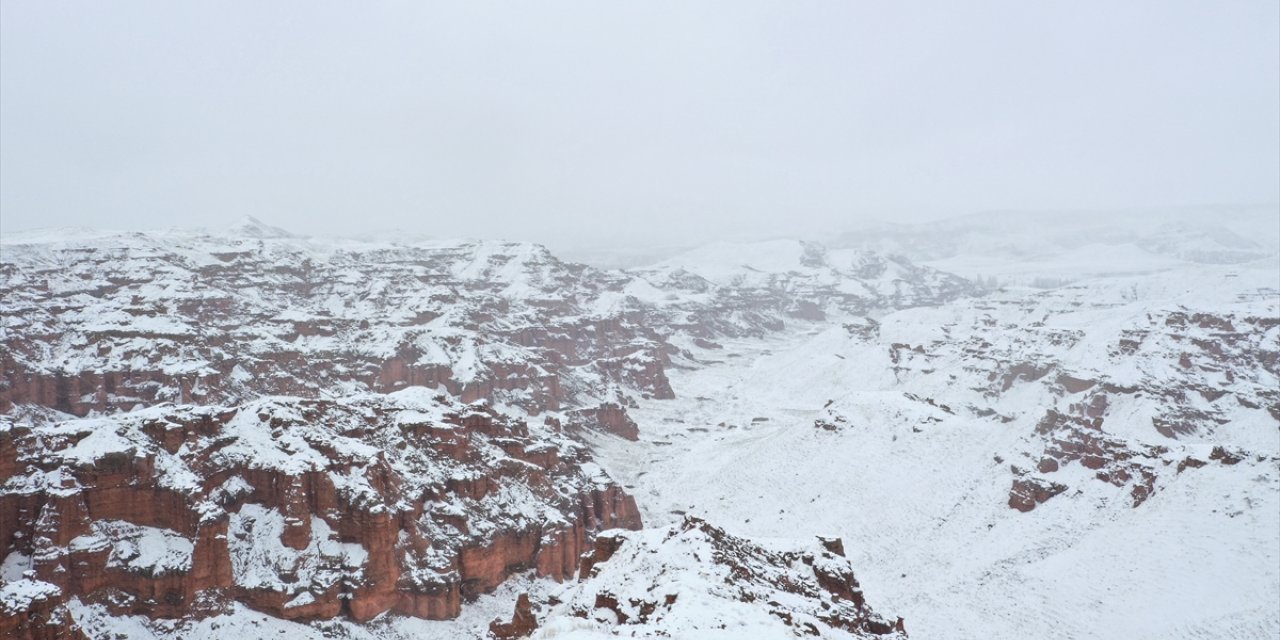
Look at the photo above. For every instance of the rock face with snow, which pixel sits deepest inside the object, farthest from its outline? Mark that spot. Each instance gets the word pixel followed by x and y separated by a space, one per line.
pixel 33 609
pixel 1116 383
pixel 694 580
pixel 300 508
pixel 523 621
pixel 120 321
pixel 136 319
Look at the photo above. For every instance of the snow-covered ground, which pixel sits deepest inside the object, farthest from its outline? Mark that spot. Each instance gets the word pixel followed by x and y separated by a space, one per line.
pixel 920 495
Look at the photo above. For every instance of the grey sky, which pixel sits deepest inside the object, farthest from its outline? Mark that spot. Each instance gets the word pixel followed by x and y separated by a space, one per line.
pixel 627 123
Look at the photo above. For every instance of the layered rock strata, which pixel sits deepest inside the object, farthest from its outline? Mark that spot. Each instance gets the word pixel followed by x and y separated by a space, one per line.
pixel 408 503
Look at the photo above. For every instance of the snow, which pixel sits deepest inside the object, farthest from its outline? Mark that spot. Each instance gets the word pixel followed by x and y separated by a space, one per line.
pixel 725 262
pixel 102 439
pixel 19 595
pixel 150 550
pixel 260 560
pixel 1206 235
pixel 676 563
pixel 14 566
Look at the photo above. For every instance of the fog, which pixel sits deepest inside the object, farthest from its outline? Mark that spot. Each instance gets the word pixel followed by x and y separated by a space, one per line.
pixel 593 123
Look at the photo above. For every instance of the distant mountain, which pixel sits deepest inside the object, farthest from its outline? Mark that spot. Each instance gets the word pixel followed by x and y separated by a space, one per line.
pixel 1067 242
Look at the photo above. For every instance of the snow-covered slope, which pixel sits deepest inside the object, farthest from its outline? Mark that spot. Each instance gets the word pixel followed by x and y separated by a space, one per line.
pixel 1047 246
pixel 1142 410
pixel 695 580
pixel 745 288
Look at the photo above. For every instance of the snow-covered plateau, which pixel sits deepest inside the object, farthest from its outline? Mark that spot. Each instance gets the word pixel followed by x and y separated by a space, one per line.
pixel 981 428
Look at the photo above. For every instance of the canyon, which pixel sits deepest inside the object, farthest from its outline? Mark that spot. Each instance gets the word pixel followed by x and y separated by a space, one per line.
pixel 252 430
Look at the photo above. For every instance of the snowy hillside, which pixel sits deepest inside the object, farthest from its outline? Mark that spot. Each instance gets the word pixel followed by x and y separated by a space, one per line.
pixel 258 433
pixel 1100 460
pixel 1021 248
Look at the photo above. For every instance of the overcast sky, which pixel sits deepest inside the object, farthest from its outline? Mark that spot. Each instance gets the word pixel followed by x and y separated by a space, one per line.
pixel 627 123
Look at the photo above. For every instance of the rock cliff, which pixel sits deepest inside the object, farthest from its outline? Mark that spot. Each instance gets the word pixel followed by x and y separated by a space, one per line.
pixel 409 502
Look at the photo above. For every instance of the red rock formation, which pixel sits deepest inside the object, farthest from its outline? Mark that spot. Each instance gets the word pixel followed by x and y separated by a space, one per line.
pixel 366 496
pixel 607 417
pixel 538 341
pixel 606 545
pixel 805 587
pixel 36 615
pixel 523 622
pixel 1081 440
pixel 1026 493
pixel 833 545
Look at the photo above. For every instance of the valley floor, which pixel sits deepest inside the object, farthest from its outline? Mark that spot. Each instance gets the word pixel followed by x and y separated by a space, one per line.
pixel 922 506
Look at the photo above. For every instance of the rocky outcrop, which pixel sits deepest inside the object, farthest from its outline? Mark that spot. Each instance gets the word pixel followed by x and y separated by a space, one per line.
pixel 33 609
pixel 643 583
pixel 606 544
pixel 608 417
pixel 1128 401
pixel 1027 492
pixel 1073 439
pixel 523 622
pixel 303 509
